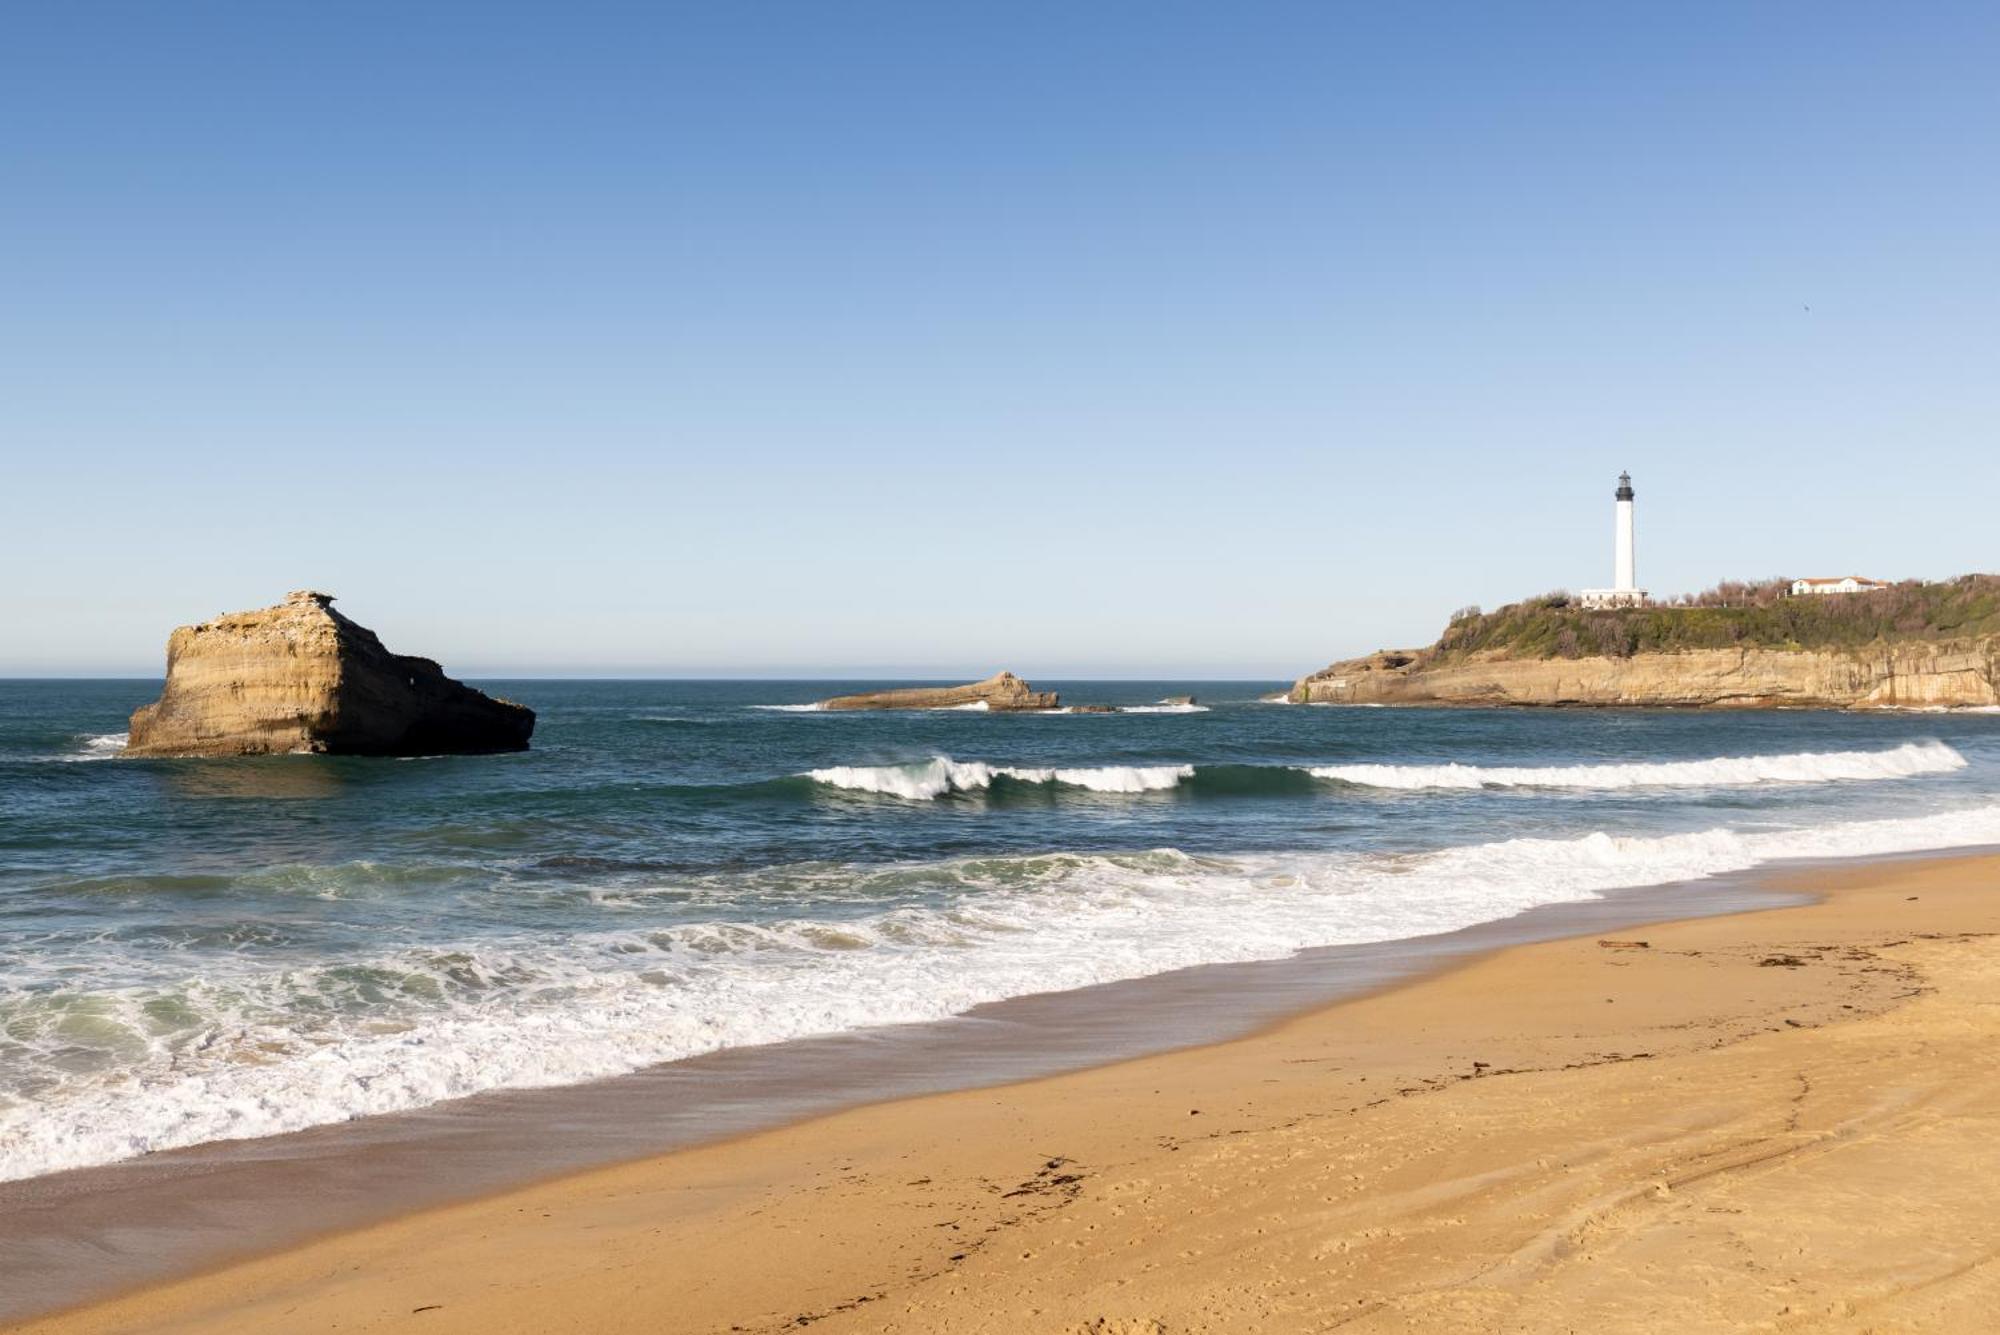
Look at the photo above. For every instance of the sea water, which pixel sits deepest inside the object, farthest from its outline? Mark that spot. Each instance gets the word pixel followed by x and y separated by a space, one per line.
pixel 197 950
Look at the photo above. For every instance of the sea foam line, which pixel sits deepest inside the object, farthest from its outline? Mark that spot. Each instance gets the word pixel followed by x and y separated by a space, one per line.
pixel 1902 762
pixel 527 1011
pixel 939 776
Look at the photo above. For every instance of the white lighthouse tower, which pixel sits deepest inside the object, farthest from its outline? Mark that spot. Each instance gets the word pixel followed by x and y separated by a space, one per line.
pixel 1622 561
pixel 1625 590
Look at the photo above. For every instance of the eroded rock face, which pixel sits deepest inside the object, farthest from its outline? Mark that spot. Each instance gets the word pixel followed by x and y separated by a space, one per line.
pixel 1918 674
pixel 302 677
pixel 1002 690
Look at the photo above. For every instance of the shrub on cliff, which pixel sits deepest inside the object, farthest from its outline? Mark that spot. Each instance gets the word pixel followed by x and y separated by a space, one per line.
pixel 1758 614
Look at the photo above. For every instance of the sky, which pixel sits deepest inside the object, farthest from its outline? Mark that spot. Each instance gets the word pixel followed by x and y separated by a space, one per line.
pixel 928 339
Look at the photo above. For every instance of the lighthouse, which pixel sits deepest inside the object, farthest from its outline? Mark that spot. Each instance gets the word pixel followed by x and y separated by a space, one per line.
pixel 1622 559
pixel 1624 590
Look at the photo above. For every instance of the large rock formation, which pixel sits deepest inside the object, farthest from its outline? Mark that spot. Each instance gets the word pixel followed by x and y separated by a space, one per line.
pixel 1909 674
pixel 302 677
pixel 1002 690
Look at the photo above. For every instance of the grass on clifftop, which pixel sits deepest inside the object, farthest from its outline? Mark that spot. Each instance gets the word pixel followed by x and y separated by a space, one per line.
pixel 1763 615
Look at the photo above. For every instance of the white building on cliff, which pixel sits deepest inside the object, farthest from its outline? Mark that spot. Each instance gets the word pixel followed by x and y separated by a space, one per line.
pixel 1624 590
pixel 1842 584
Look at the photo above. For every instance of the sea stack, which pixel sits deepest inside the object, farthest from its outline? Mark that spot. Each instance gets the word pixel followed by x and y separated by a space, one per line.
pixel 1001 691
pixel 300 677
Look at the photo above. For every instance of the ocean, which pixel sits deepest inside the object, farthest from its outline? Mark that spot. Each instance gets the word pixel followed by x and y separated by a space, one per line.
pixel 202 950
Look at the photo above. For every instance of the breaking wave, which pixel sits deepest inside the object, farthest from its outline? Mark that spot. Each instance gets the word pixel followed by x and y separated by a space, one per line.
pixel 926 779
pixel 248 1048
pixel 1903 762
pixel 941 776
pixel 92 746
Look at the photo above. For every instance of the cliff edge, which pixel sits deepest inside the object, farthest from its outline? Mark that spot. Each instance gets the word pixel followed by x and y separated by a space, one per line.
pixel 1912 645
pixel 1949 675
pixel 300 677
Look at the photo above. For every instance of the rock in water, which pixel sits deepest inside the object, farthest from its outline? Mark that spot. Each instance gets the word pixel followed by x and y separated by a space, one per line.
pixel 302 677
pixel 1002 690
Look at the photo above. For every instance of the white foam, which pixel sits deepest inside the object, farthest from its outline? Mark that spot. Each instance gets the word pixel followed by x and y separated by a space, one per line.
pixel 1934 709
pixel 1901 762
pixel 917 781
pixel 98 746
pixel 926 779
pixel 1163 709
pixel 277 1051
pixel 1106 778
pixel 814 708
pixel 1275 698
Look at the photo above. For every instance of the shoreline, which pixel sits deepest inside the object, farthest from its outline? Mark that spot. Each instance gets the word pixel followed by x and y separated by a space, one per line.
pixel 67 1238
pixel 1402 974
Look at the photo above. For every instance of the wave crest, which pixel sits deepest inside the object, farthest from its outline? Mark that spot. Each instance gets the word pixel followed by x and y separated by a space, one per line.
pixel 927 779
pixel 262 1050
pixel 1902 762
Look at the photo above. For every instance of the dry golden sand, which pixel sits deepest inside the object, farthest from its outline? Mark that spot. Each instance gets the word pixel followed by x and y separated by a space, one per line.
pixel 1779 1120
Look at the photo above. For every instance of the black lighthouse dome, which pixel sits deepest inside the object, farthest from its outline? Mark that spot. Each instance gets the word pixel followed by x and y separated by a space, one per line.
pixel 1624 486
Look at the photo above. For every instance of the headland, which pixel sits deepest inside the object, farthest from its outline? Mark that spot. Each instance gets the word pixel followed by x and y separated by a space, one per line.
pixel 1905 646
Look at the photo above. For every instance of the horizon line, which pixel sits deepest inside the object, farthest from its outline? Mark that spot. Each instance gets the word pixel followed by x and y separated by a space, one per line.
pixel 760 677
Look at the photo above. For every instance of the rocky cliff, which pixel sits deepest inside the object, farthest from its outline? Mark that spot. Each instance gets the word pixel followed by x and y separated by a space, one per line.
pixel 302 677
pixel 1002 690
pixel 1907 674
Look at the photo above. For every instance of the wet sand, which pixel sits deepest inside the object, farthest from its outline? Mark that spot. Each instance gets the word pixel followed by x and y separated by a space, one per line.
pixel 1776 1118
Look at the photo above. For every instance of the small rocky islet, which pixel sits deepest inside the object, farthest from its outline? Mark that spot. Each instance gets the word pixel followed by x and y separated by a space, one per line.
pixel 302 678
pixel 1003 691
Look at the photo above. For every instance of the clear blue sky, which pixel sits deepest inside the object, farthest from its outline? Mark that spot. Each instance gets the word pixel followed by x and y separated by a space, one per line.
pixel 1081 339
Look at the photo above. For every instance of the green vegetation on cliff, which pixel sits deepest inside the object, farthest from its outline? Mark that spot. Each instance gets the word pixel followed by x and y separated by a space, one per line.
pixel 1758 616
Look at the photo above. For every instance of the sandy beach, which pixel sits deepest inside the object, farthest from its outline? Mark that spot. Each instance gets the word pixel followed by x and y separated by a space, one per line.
pixel 1773 1120
pixel 681 669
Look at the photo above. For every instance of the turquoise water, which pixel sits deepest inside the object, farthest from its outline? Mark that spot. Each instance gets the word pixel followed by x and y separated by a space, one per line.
pixel 195 950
